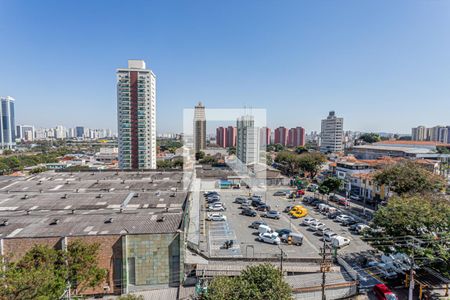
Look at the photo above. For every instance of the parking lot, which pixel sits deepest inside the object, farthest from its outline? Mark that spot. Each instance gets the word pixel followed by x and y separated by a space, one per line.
pixel 244 238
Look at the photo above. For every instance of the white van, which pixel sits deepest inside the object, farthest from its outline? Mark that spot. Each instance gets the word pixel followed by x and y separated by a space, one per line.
pixel 265 229
pixel 339 241
pixel 323 208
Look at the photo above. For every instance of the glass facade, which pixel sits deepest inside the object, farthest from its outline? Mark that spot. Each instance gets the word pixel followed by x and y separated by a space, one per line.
pixel 152 259
pixel 7 120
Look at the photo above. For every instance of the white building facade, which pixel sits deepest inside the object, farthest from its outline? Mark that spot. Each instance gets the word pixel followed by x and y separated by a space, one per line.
pixel 332 134
pixel 247 142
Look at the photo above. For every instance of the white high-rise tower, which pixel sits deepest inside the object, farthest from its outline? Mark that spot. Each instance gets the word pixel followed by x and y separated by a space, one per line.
pixel 332 134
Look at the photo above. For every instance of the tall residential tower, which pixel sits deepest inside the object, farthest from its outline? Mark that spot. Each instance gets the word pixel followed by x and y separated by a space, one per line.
pixel 332 134
pixel 136 113
pixel 199 128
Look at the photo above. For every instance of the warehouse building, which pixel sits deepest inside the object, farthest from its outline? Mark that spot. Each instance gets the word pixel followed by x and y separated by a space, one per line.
pixel 137 218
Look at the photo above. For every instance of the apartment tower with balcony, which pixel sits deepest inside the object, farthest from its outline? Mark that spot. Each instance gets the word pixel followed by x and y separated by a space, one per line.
pixel 136 113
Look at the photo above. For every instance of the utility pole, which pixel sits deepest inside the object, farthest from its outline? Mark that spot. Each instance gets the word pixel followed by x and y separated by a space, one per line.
pixel 281 259
pixel 411 276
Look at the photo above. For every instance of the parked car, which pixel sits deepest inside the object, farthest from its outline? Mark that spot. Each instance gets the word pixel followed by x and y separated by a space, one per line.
pixel 263 207
pixel 240 200
pixel 344 201
pixel 316 225
pixel 308 199
pixel 216 217
pixel 256 202
pixel 288 208
pixel 341 218
pixel 215 200
pixel 312 187
pixel 362 227
pixel 348 221
pixel 210 193
pixel 321 230
pixel 280 193
pixel 333 215
pixel 301 192
pixel 249 212
pixel 283 231
pixel 246 204
pixel 339 241
pixel 328 235
pixel 296 238
pixel 308 220
pixel 355 198
pixel 272 214
pixel 269 238
pixel 382 292
pixel 265 229
pixel 257 223
pixel 216 207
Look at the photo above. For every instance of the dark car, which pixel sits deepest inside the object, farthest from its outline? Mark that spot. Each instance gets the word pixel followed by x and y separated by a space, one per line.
pixel 333 215
pixel 249 212
pixel 256 202
pixel 348 222
pixel 288 208
pixel 255 224
pixel 283 231
pixel 211 194
pixel 263 207
pixel 210 201
pixel 315 202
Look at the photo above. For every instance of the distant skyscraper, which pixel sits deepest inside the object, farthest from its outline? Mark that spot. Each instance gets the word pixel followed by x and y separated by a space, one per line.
pixel 296 137
pixel 281 135
pixel 199 128
pixel 79 131
pixel 231 136
pixel 419 133
pixel 247 146
pixel 136 112
pixel 332 134
pixel 221 136
pixel 7 123
pixel 265 135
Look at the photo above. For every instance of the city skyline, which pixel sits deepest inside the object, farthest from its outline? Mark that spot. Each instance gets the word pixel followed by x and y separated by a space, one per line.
pixel 368 68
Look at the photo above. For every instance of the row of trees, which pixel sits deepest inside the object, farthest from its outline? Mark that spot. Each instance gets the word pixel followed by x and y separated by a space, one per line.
pixel 44 273
pixel 170 164
pixel 13 163
pixel 307 162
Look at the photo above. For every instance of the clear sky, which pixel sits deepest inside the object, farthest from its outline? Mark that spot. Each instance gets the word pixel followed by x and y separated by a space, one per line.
pixel 383 65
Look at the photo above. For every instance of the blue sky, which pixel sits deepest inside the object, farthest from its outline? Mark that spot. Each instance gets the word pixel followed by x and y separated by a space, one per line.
pixel 382 65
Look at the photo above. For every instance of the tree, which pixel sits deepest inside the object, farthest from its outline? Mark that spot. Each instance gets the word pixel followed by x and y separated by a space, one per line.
pixel 231 150
pixel 83 270
pixel 43 272
pixel 301 149
pixel 426 217
pixel 259 282
pixel 290 160
pixel 370 138
pixel 199 155
pixel 330 185
pixel 409 177
pixel 311 162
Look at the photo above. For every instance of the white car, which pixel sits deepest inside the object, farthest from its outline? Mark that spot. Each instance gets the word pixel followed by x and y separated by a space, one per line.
pixel 316 225
pixel 328 235
pixel 308 220
pixel 216 207
pixel 216 217
pixel 341 218
pixel 322 230
pixel 339 241
pixel 269 238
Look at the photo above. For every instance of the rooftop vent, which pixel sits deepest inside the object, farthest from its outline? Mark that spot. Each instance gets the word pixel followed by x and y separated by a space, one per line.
pixel 67 182
pixel 65 196
pixel 96 182
pixel 54 222
pixel 161 219
pixel 4 223
pixel 172 195
pixel 109 221
pixel 123 181
pixel 39 182
pixel 25 196
pixel 99 196
pixel 136 195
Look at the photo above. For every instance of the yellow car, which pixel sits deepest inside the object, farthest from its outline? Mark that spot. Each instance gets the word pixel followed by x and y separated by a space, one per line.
pixel 298 211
